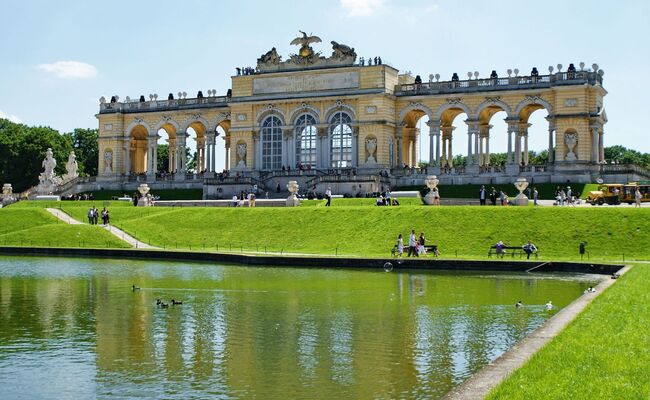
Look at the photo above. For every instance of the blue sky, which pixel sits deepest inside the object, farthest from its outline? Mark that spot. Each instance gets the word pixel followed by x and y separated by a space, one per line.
pixel 59 57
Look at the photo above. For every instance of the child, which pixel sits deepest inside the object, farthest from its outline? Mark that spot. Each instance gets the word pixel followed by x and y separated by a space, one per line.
pixel 400 245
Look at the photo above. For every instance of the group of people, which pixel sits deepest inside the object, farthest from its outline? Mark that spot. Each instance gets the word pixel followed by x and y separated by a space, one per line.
pixel 565 197
pixel 94 214
pixel 528 248
pixel 244 198
pixel 83 196
pixel 416 245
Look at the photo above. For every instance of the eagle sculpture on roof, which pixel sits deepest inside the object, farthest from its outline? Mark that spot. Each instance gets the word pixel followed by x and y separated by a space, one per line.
pixel 304 43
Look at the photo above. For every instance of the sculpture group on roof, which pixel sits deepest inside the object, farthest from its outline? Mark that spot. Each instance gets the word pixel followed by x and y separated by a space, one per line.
pixel 306 57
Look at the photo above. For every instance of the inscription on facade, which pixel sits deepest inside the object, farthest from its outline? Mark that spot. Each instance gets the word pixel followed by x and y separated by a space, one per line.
pixel 306 83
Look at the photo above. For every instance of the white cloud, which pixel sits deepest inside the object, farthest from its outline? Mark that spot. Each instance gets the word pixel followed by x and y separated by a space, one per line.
pixel 10 117
pixel 361 8
pixel 70 69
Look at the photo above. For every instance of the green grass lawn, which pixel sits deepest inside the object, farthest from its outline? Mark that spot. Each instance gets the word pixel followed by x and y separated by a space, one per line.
pixel 365 230
pixel 29 226
pixel 603 354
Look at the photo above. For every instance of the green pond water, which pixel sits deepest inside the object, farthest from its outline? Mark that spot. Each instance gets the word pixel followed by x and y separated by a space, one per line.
pixel 74 329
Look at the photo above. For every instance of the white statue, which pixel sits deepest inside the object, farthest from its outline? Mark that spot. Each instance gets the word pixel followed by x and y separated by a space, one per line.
pixel 571 140
pixel 108 162
pixel 47 180
pixel 71 166
pixel 241 154
pixel 371 147
pixel 49 163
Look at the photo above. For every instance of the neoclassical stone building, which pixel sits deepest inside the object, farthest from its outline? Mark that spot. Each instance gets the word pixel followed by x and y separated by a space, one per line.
pixel 340 120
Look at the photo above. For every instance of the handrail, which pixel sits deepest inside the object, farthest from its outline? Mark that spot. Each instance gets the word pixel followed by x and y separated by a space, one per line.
pixel 559 78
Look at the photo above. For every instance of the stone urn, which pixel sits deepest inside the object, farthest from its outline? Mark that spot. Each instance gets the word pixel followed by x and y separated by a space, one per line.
pixel 241 154
pixel 521 200
pixel 7 194
pixel 432 182
pixel 571 140
pixel 292 200
pixel 144 190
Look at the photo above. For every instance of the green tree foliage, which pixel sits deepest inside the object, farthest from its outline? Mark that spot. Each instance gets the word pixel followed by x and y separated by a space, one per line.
pixel 621 155
pixel 22 150
pixel 84 143
pixel 163 157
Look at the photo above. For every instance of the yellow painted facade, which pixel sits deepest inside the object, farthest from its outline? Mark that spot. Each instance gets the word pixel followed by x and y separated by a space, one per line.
pixel 380 130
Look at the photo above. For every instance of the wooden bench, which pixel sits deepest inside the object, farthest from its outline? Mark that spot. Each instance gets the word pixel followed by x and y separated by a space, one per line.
pixel 512 250
pixel 430 249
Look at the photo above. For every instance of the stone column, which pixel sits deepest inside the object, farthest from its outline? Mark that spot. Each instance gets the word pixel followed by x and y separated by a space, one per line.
pixel 434 139
pixel 127 156
pixel 181 157
pixel 601 145
pixel 355 146
pixel 450 152
pixel 321 148
pixel 551 134
pixel 257 143
pixel 513 134
pixel 524 134
pixel 151 142
pixel 227 147
pixel 398 137
pixel 595 152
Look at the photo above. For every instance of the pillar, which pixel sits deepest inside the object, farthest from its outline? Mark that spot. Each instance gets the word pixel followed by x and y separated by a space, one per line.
pixel 513 134
pixel 595 152
pixel 551 135
pixel 127 156
pixel 601 145
pixel 355 146
pixel 434 139
pixel 398 136
pixel 525 137
pixel 181 157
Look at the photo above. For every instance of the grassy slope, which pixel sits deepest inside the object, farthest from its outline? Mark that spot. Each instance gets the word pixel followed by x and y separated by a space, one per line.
pixel 603 354
pixel 367 230
pixel 36 227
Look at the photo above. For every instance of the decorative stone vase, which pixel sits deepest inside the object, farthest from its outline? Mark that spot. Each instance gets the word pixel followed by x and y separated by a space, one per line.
pixel 371 147
pixel 432 182
pixel 7 194
pixel 144 190
pixel 292 200
pixel 571 140
pixel 521 200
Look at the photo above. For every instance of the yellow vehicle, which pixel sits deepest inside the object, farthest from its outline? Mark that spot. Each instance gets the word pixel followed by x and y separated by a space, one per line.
pixel 617 193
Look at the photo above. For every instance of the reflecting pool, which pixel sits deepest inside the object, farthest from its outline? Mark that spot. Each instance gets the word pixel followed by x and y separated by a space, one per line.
pixel 74 328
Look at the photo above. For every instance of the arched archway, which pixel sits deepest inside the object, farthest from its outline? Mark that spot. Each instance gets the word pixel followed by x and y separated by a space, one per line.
pixel 492 134
pixel 413 120
pixel 535 142
pixel 138 151
pixel 451 116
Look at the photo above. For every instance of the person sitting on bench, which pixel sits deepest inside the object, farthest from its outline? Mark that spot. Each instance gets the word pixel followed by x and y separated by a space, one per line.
pixel 500 248
pixel 529 248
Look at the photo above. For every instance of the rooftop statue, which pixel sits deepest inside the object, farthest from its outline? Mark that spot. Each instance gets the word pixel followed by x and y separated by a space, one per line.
pixel 341 51
pixel 270 57
pixel 304 43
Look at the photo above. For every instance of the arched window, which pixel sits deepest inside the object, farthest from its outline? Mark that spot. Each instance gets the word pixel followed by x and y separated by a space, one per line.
pixel 391 152
pixel 340 140
pixel 306 140
pixel 271 139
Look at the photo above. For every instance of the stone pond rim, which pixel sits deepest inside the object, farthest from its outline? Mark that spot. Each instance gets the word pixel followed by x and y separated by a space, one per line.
pixel 318 261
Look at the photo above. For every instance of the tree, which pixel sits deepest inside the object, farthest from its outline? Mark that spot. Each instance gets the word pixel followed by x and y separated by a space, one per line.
pixel 84 143
pixel 22 150
pixel 163 157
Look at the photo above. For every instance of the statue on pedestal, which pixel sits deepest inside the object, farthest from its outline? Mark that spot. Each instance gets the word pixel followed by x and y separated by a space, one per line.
pixel 371 147
pixel 241 154
pixel 71 167
pixel 47 180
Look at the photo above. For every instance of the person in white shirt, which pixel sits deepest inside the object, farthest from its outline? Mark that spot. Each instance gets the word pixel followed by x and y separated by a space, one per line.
pixel 412 243
pixel 328 196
